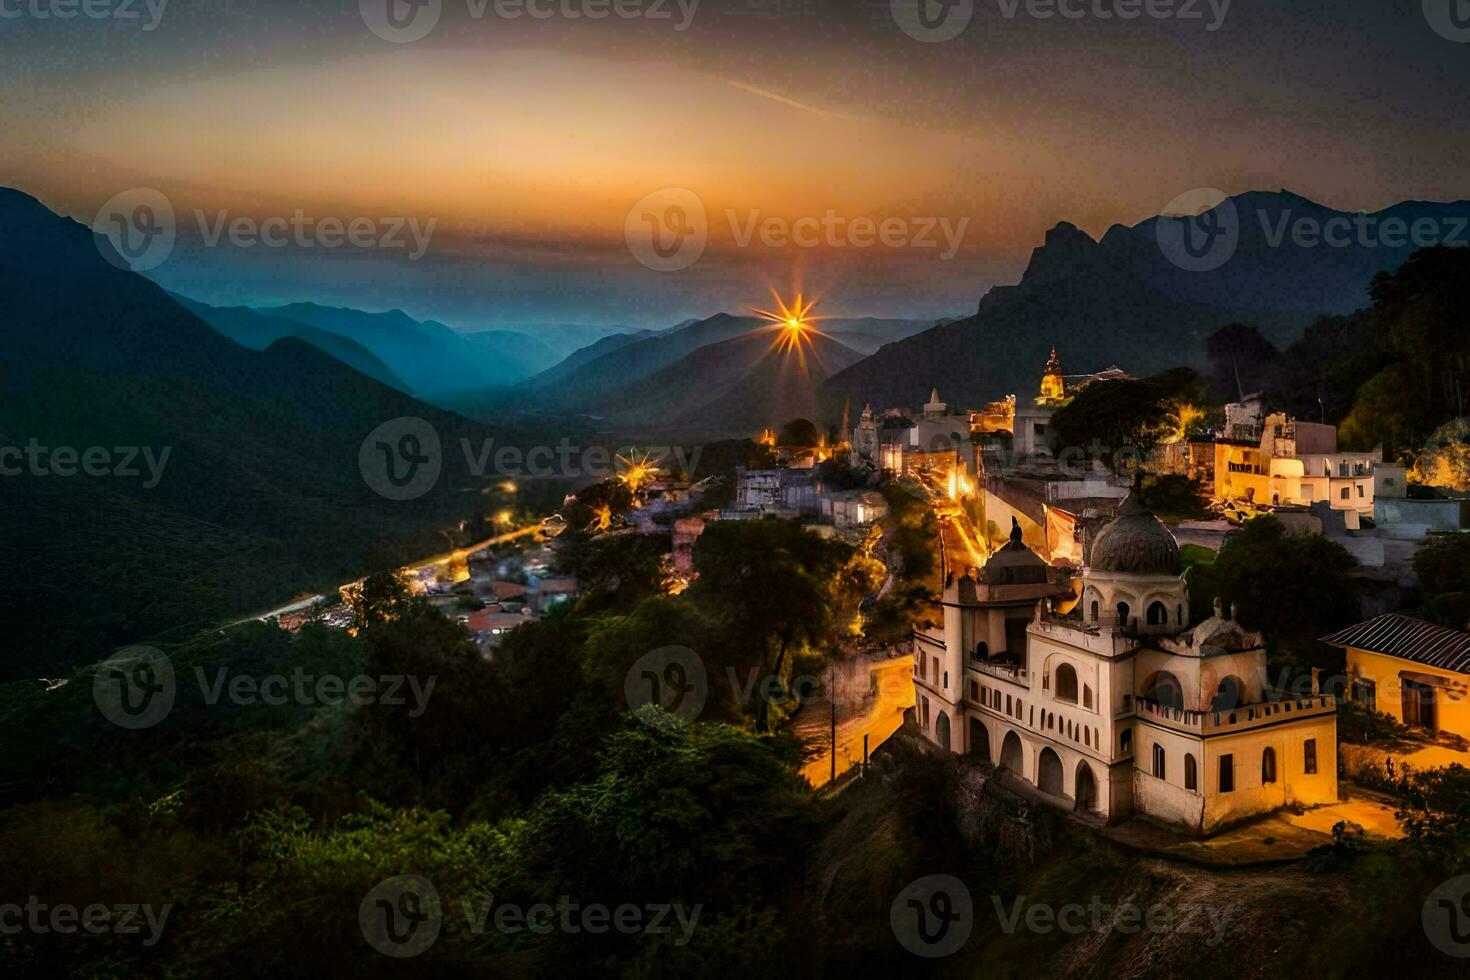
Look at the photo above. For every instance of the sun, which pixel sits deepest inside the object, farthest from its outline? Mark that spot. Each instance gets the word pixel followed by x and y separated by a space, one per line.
pixel 793 323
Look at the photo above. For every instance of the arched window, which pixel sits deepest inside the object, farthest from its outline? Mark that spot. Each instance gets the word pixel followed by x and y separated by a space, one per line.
pixel 1159 761
pixel 1228 695
pixel 1086 696
pixel 1096 615
pixel 1191 773
pixel 1167 690
pixel 1125 740
pixel 1179 614
pixel 1122 614
pixel 1158 614
pixel 1066 683
pixel 982 650
pixel 1268 766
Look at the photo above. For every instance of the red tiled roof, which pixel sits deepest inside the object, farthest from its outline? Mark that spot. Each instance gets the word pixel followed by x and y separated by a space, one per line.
pixel 1412 639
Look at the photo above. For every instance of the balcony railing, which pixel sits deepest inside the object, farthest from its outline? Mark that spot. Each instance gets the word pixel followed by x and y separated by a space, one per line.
pixel 1244 716
pixel 1009 672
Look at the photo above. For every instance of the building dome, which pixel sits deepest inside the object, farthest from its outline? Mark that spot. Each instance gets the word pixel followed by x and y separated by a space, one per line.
pixel 1015 564
pixel 1135 543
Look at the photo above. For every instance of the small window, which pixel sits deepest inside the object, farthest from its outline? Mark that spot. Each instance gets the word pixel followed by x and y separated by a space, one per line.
pixel 1191 773
pixel 1159 760
pixel 1360 491
pixel 1066 683
pixel 1125 740
pixel 1268 766
pixel 1086 696
pixel 1008 704
pixel 1122 614
pixel 1227 773
pixel 1158 614
pixel 1096 614
pixel 1345 492
pixel 946 680
pixel 1365 692
pixel 974 690
pixel 1309 760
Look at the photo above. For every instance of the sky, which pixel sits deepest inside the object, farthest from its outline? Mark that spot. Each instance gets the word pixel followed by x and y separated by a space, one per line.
pixel 808 144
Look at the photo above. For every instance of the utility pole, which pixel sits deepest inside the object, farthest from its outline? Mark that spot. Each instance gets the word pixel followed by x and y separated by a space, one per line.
pixel 832 693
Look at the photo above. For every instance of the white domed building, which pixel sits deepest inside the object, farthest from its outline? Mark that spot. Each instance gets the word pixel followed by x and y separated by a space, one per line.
pixel 1114 705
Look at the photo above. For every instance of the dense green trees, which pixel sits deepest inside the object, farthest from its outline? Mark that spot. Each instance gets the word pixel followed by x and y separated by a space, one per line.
pixel 1388 375
pixel 1295 587
pixel 1126 420
pixel 1443 567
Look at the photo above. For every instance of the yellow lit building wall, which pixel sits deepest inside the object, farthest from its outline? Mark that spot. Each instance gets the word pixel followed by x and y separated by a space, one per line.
pixel 1451 703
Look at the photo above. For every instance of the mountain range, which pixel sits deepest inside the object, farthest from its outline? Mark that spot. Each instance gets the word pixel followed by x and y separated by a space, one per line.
pixel 1120 300
pixel 218 478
